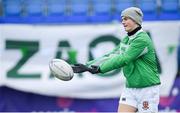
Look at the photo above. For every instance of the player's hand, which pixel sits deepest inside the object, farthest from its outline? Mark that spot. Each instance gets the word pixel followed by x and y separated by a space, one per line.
pixel 94 69
pixel 79 68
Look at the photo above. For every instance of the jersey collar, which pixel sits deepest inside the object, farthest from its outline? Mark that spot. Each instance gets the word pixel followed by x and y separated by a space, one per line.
pixel 134 36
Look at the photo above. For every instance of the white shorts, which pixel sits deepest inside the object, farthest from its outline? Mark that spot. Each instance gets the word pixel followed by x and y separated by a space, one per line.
pixel 144 99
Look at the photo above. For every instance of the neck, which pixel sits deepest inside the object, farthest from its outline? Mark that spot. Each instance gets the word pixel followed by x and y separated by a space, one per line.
pixel 134 31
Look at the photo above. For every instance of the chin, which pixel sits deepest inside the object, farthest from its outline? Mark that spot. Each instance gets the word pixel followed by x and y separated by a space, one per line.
pixel 127 30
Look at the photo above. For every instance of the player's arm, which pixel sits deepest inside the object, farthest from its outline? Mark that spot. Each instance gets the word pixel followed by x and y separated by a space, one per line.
pixel 93 65
pixel 137 48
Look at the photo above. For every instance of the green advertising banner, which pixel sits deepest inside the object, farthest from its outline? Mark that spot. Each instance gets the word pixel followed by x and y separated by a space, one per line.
pixel 26 50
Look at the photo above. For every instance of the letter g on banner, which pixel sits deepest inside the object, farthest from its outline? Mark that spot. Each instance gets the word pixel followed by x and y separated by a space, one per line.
pixel 100 40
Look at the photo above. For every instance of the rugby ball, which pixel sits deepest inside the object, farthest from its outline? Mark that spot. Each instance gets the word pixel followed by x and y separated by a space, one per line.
pixel 61 69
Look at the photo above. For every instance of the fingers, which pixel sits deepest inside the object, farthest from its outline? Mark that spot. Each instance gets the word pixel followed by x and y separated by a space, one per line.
pixel 94 66
pixel 78 64
pixel 79 68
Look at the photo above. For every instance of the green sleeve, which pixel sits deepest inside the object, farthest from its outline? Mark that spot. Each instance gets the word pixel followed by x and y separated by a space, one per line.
pixel 135 49
pixel 103 58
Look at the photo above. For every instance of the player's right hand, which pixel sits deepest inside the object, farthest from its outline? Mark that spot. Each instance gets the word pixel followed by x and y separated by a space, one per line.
pixel 79 68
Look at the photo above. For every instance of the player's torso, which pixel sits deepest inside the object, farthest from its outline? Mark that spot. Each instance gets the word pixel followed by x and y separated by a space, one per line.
pixel 141 72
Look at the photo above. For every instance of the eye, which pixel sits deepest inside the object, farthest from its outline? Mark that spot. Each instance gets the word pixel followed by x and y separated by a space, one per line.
pixel 124 18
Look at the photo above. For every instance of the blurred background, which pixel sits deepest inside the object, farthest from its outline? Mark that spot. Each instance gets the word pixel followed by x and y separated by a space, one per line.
pixel 32 32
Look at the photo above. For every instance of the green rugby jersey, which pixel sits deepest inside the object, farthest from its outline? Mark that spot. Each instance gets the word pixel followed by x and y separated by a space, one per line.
pixel 136 55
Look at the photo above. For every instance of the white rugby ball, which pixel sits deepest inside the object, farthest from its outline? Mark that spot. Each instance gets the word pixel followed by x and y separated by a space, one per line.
pixel 61 69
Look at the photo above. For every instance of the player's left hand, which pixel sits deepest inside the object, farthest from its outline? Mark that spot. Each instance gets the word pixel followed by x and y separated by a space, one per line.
pixel 94 69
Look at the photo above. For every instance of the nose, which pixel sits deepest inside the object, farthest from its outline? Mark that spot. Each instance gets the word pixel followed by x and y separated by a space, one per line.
pixel 123 22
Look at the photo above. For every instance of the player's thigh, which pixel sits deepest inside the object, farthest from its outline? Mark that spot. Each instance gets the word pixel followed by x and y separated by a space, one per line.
pixel 148 102
pixel 127 102
pixel 126 108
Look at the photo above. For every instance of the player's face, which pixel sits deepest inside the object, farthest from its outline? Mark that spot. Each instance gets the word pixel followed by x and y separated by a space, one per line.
pixel 129 24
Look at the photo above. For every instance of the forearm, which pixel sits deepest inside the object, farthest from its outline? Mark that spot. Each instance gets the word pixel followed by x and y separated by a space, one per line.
pixel 134 51
pixel 114 63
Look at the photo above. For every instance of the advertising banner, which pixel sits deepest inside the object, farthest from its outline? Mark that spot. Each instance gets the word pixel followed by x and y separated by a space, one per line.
pixel 26 50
